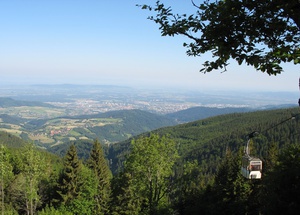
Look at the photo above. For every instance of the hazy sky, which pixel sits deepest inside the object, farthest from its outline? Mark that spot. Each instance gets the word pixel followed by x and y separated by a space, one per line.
pixel 109 42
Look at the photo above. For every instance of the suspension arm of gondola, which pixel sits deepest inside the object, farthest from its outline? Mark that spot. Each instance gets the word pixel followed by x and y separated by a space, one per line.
pixel 249 136
pixel 292 117
pixel 254 133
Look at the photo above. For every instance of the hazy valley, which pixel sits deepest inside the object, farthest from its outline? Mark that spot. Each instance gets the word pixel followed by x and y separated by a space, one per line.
pixel 202 134
pixel 55 114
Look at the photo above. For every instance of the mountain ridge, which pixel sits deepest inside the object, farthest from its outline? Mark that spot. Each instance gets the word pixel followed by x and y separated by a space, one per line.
pixel 209 138
pixel 9 102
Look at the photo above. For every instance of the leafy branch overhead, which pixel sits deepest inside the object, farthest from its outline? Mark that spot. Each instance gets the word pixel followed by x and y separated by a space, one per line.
pixel 262 34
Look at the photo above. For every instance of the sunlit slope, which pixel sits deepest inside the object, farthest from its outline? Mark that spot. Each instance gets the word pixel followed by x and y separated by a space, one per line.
pixel 207 140
pixel 10 140
pixel 109 127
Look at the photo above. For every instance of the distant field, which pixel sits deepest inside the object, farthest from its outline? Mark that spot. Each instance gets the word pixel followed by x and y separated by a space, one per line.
pixel 33 112
pixel 41 138
pixel 54 130
pixel 11 131
pixel 55 125
pixel 63 123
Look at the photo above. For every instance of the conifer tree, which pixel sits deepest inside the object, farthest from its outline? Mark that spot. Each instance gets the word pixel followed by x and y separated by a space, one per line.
pixel 189 184
pixel 231 189
pixel 84 203
pixel 282 185
pixel 69 181
pixel 272 157
pixel 124 201
pixel 98 164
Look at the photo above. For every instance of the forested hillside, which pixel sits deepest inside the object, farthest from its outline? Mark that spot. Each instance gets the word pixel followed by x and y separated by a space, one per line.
pixel 192 168
pixel 207 176
pixel 132 123
pixel 10 140
pixel 207 140
pixel 197 113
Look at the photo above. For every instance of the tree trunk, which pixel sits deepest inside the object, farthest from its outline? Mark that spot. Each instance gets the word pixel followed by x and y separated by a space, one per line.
pixel 2 197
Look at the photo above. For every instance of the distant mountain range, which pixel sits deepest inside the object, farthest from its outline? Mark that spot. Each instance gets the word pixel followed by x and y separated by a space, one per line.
pixel 197 113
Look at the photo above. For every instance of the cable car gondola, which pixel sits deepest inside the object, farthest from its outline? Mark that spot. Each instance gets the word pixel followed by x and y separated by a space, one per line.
pixel 251 166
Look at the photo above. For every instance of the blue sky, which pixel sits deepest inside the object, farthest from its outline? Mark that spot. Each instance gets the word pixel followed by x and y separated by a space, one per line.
pixel 110 42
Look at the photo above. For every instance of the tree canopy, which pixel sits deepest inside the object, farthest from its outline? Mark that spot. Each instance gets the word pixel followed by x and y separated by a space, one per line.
pixel 151 164
pixel 262 34
pixel 188 169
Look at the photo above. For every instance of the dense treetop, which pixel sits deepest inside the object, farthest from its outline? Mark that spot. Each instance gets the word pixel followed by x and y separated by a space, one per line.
pixel 262 34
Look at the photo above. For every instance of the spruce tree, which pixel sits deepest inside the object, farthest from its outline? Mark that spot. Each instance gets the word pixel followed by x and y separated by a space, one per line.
pixel 69 181
pixel 124 201
pixel 231 190
pixel 98 164
pixel 282 185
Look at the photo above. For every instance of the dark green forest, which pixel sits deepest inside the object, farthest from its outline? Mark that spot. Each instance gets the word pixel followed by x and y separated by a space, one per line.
pixel 192 168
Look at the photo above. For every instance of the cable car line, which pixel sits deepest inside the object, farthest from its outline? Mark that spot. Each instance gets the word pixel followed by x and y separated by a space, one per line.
pixel 292 117
pixel 254 133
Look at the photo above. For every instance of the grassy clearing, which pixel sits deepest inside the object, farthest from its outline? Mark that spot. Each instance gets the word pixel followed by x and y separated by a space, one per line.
pixel 41 138
pixel 74 133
